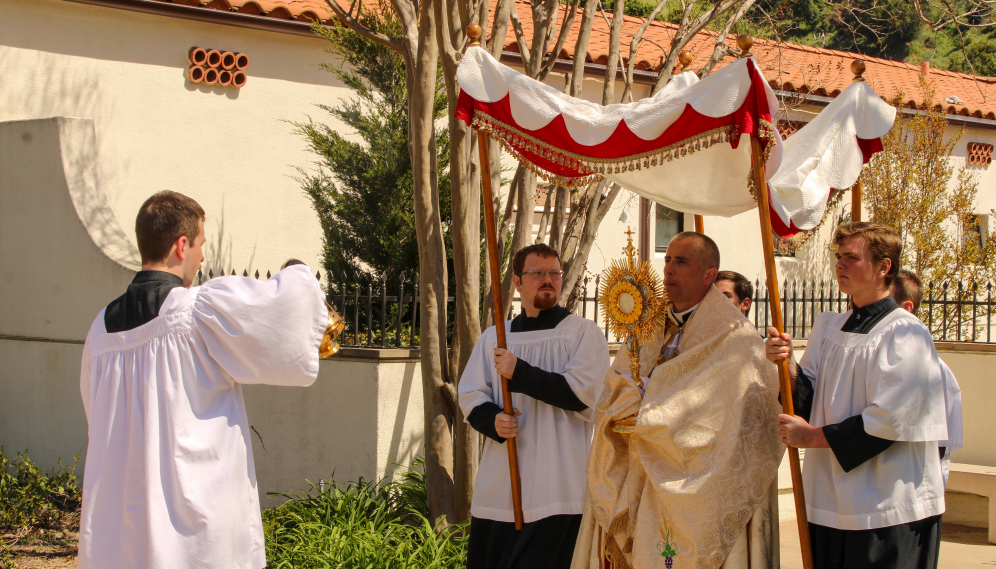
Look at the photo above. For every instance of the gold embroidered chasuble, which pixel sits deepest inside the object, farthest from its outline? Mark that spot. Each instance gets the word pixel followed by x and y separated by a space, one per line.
pixel 702 457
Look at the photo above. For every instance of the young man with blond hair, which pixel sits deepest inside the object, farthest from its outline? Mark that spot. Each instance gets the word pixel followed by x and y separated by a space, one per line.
pixel 170 481
pixel 555 363
pixel 869 398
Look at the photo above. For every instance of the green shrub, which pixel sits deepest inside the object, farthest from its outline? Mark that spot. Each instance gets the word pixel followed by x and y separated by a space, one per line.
pixel 31 499
pixel 361 525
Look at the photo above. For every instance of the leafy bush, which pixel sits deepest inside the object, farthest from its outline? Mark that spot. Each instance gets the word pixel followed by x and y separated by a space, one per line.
pixel 31 499
pixel 362 525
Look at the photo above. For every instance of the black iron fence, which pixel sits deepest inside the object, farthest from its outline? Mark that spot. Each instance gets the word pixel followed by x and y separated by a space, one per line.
pixel 954 312
pixel 385 314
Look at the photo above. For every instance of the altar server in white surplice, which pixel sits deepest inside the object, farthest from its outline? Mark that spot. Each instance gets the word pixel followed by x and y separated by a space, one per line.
pixel 870 405
pixel 557 362
pixel 169 480
pixel 907 290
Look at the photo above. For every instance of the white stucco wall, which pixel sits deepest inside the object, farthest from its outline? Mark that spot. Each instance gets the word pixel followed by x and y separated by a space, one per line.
pixel 230 149
pixel 360 419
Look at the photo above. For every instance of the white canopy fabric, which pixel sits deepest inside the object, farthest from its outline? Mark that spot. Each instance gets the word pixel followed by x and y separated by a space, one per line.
pixel 682 147
pixel 828 153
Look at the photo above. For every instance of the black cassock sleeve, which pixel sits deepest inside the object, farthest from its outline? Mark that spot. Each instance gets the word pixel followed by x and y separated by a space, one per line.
pixel 482 418
pixel 550 388
pixel 851 444
pixel 802 397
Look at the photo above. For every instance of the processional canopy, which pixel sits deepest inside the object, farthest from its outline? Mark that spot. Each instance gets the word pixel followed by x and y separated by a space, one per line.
pixel 681 147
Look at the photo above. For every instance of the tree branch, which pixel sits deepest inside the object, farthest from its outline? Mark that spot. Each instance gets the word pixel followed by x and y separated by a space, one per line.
pixel 397 44
pixel 565 29
pixel 611 65
pixel 721 51
pixel 687 31
pixel 499 28
pixel 581 47
pixel 520 37
pixel 633 46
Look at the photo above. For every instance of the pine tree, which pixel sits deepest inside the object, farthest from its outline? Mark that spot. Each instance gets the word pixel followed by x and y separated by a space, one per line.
pixel 362 191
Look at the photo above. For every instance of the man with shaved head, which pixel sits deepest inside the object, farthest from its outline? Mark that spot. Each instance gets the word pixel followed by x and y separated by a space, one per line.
pixel 683 459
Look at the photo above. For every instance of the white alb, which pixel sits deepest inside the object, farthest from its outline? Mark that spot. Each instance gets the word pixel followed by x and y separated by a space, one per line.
pixel 170 481
pixel 553 444
pixel 892 378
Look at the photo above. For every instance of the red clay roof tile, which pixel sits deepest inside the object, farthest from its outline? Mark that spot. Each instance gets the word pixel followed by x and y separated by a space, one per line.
pixel 789 67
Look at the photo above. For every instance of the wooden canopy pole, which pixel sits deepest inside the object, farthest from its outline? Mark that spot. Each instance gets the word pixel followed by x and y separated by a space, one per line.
pixel 474 33
pixel 745 42
pixel 856 201
pixel 858 69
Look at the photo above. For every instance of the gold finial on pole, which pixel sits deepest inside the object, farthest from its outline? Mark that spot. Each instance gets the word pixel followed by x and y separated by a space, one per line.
pixel 474 33
pixel 858 69
pixel 685 59
pixel 745 42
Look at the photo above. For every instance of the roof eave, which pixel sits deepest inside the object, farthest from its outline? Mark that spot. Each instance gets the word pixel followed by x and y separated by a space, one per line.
pixel 954 120
pixel 300 28
pixel 208 15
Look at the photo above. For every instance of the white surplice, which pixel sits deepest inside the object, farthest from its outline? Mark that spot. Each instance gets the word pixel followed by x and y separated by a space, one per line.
pixel 892 378
pixel 952 403
pixel 169 480
pixel 553 444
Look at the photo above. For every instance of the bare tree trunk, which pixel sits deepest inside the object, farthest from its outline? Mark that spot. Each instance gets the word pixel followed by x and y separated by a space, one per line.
pixel 557 224
pixel 583 235
pixel 438 392
pixel 581 46
pixel 503 236
pixel 634 45
pixel 523 234
pixel 612 65
pixel 545 218
pixel 466 236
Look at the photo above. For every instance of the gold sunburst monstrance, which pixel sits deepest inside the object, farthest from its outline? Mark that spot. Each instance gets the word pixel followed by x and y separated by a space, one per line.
pixel 633 302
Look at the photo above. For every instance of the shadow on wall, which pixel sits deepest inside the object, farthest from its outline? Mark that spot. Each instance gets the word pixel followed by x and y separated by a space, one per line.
pixel 63 255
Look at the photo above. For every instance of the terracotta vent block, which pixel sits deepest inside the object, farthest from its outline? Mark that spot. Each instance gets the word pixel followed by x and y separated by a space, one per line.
pixel 788 128
pixel 217 67
pixel 980 154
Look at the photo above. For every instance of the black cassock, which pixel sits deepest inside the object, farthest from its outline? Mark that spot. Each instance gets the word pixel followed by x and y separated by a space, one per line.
pixel 547 543
pixel 912 545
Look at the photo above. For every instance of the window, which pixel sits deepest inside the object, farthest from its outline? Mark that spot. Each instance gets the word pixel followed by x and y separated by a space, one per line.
pixel 974 231
pixel 669 224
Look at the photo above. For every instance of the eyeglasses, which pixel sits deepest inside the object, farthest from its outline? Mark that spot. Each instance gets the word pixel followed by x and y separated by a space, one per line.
pixel 555 274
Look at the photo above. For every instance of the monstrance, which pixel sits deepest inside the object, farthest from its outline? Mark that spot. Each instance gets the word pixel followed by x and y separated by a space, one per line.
pixel 633 303
pixel 329 346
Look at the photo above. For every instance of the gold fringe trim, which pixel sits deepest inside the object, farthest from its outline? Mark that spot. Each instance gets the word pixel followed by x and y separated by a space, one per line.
pixel 592 169
pixel 792 244
pixel 766 131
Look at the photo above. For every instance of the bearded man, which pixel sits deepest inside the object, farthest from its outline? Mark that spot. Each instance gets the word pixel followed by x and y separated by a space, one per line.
pixel 555 363
pixel 684 482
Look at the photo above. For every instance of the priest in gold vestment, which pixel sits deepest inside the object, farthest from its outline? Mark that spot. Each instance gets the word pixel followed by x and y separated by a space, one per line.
pixel 683 462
